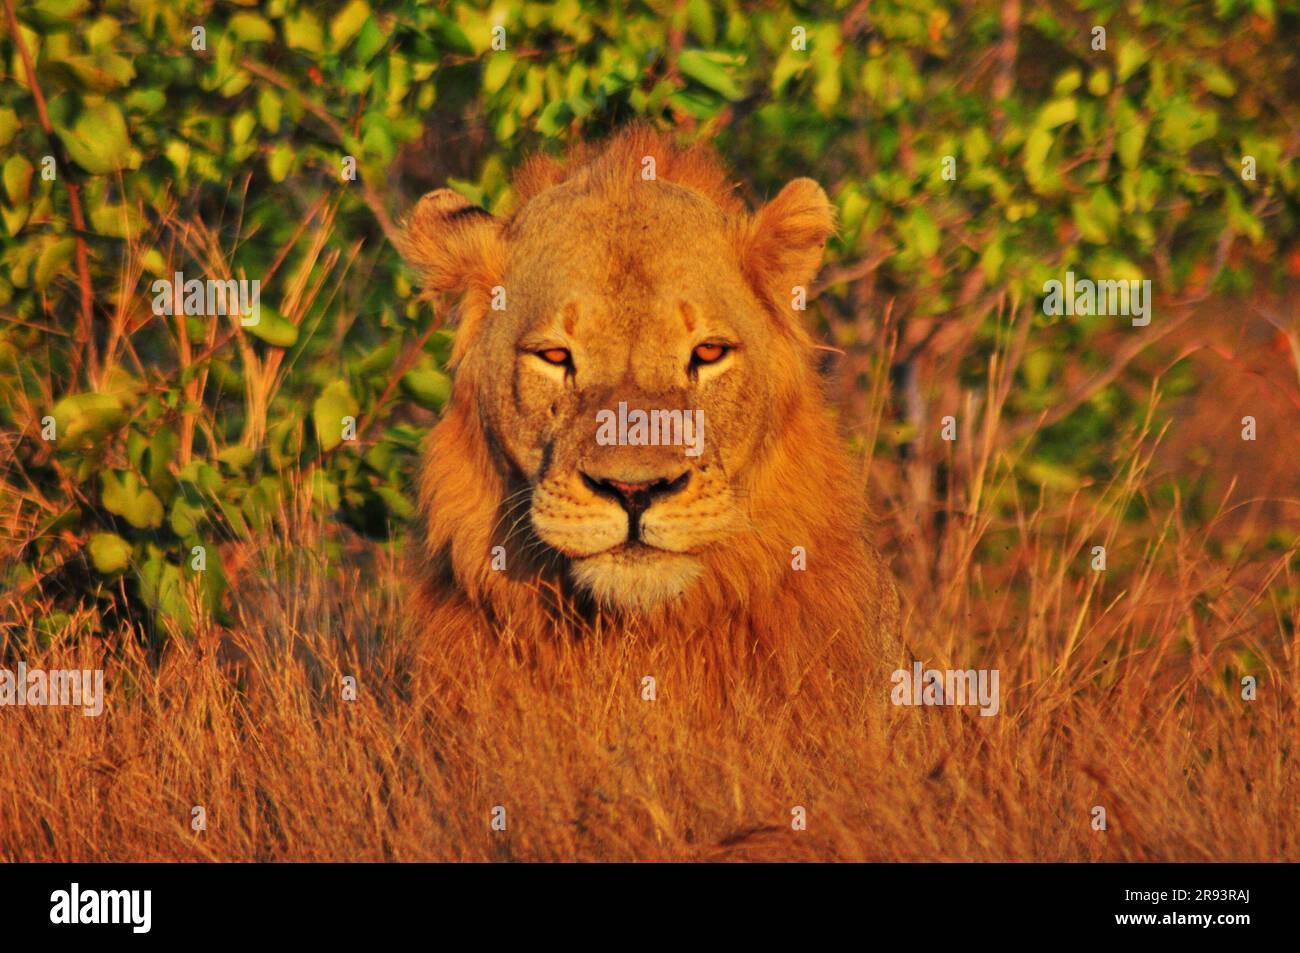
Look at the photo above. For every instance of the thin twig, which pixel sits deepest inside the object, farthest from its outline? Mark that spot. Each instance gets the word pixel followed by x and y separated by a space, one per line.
pixel 368 194
pixel 86 329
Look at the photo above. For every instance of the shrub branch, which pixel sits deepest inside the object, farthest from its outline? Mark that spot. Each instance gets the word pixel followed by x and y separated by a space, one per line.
pixel 85 331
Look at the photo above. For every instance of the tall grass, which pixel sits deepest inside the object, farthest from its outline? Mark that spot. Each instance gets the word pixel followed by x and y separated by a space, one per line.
pixel 1120 689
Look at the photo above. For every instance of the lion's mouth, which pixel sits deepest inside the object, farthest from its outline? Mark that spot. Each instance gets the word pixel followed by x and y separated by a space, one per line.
pixel 633 548
pixel 637 552
pixel 635 575
pixel 634 553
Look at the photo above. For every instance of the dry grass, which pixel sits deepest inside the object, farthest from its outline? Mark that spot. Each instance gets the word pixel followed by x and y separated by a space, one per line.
pixel 1119 689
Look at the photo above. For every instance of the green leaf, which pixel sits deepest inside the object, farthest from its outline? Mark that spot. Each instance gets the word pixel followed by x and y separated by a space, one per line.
pixel 162 588
pixel 696 102
pixel 237 456
pixel 269 106
pixel 923 231
pixel 827 88
pixel 252 28
pixel 88 416
pixel 1037 368
pixel 700 15
pixel 711 70
pixel 274 329
pixel 1183 125
pixel 1217 81
pixel 241 127
pixel 398 505
pixel 54 257
pixel 991 261
pixel 789 64
pixel 554 118
pixel 15 218
pixel 18 179
pixel 369 42
pixel 451 37
pixel 347 23
pixel 97 72
pixel 147 100
pixel 118 221
pixel 279 161
pixel 1053 475
pixel 1037 146
pixel 975 146
pixel 8 125
pixel 1241 220
pixel 1098 218
pixel 1131 133
pixel 497 71
pixel 283 443
pixel 1129 59
pixel 109 553
pixel 124 495
pixel 184 517
pixel 327 414
pixel 381 358
pixel 1058 112
pixel 99 141
pixel 53 14
pixel 302 30
pixel 1068 82
pixel 157 468
pixel 427 386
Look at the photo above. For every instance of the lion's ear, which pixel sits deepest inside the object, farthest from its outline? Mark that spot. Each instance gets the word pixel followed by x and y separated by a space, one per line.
pixel 454 244
pixel 785 239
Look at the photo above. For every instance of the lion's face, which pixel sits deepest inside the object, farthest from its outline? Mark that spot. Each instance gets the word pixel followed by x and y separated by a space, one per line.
pixel 629 383
pixel 625 365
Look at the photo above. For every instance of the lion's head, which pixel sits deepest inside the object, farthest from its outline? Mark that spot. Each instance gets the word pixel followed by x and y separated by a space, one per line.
pixel 636 412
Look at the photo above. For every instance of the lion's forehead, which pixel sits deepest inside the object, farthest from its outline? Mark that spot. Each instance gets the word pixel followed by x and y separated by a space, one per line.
pixel 656 297
pixel 652 236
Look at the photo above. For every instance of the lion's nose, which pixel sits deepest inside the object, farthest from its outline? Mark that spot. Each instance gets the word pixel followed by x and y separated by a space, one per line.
pixel 637 497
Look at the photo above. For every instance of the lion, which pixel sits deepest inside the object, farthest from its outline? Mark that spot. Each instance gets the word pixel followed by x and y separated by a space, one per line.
pixel 631 278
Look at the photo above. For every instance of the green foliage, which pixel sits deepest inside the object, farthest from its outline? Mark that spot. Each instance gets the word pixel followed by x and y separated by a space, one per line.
pixel 226 158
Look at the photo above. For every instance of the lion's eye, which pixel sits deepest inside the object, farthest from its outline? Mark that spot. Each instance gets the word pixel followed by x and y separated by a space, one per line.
pixel 555 355
pixel 709 353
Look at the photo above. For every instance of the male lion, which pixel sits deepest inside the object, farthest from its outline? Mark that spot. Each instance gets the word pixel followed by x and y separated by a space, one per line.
pixel 631 274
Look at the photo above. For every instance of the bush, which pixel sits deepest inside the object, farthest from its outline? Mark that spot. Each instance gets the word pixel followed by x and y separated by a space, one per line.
pixel 150 137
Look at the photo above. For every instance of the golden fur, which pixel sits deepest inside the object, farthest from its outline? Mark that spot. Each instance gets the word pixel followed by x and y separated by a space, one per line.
pixel 627 273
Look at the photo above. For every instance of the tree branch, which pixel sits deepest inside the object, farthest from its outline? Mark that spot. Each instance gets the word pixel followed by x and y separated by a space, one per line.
pixel 85 330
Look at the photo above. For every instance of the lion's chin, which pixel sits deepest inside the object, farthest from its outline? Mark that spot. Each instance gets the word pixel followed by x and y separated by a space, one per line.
pixel 635 577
